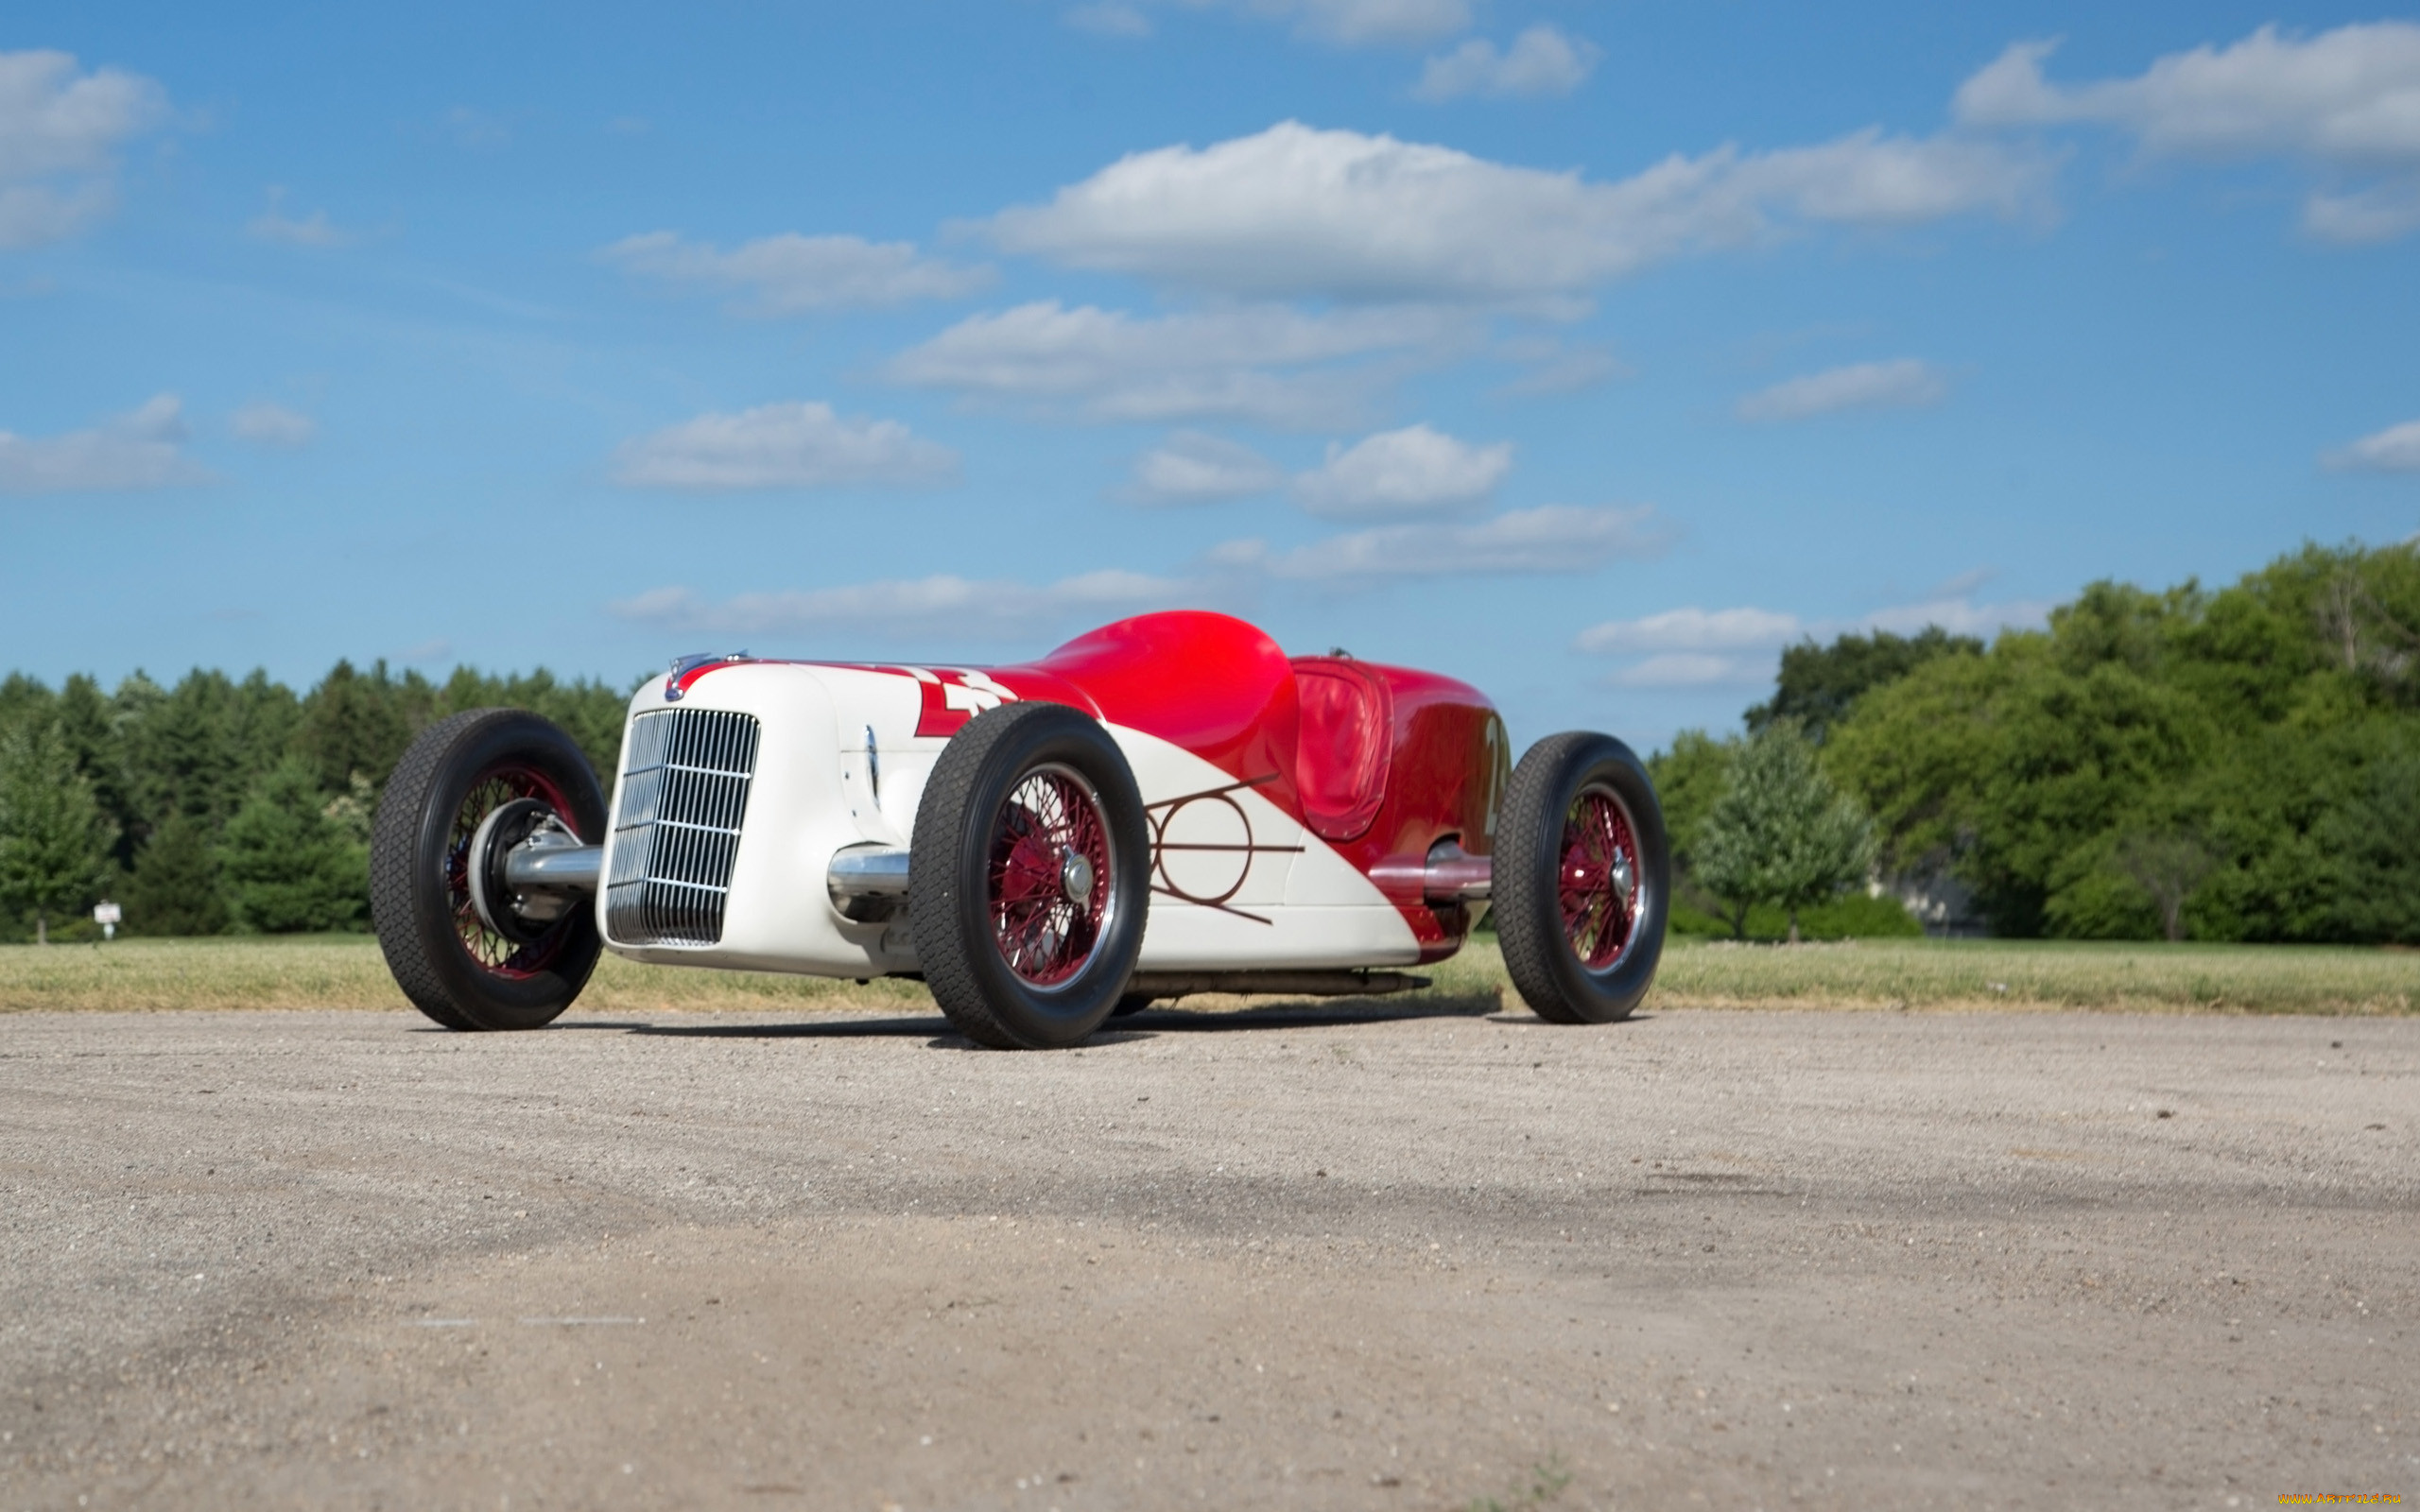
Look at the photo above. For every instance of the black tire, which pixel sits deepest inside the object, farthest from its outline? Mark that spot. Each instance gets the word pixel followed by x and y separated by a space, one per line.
pixel 974 848
pixel 1543 809
pixel 453 967
pixel 1131 1005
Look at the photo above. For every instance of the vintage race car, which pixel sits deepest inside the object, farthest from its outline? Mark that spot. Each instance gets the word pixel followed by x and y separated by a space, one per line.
pixel 1167 805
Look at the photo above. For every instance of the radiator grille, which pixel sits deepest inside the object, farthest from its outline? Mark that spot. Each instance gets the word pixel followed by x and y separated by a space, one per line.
pixel 676 830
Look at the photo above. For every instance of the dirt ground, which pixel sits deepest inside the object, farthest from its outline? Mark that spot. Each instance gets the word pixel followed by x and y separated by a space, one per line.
pixel 1295 1257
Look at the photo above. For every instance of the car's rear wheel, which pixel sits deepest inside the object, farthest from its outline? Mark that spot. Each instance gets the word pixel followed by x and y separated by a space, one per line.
pixel 1581 878
pixel 469 788
pixel 1027 880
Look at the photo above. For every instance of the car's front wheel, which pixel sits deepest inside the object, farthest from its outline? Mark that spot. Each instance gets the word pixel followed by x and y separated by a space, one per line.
pixel 1027 880
pixel 466 791
pixel 1581 878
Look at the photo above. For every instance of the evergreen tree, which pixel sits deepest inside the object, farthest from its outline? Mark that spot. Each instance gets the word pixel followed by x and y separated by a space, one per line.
pixel 289 866
pixel 54 839
pixel 175 888
pixel 1781 832
pixel 23 700
pixel 352 723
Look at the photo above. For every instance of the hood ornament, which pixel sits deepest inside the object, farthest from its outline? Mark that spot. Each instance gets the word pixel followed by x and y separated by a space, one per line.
pixel 683 665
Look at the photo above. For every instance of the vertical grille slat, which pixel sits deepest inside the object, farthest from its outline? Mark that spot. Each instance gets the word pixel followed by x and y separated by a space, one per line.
pixel 676 827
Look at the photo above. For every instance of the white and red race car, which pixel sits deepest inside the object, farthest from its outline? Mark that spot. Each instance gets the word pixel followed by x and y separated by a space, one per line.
pixel 1167 805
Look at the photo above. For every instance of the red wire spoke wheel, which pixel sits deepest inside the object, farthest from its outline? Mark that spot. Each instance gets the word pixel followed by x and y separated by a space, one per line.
pixel 1597 878
pixel 1581 878
pixel 1048 871
pixel 1028 877
pixel 497 774
pixel 525 952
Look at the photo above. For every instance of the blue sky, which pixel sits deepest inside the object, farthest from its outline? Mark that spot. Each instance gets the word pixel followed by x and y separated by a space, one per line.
pixel 1590 353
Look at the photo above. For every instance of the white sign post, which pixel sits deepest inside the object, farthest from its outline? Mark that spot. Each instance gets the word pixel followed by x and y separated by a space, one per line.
pixel 108 916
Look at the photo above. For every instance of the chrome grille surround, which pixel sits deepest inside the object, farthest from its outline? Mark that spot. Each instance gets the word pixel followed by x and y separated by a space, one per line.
pixel 683 800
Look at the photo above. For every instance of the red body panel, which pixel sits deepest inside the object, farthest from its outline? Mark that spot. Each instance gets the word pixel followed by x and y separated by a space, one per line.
pixel 1222 689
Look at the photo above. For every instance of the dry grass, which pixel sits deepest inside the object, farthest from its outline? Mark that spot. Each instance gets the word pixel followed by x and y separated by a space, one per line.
pixel 346 971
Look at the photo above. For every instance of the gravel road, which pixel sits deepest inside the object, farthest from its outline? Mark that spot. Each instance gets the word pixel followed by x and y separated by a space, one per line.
pixel 1369 1258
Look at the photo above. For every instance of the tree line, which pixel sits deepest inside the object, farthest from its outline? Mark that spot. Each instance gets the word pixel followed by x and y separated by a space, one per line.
pixel 2239 763
pixel 219 806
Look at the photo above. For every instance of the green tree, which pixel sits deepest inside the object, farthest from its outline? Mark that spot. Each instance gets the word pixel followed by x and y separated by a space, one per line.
pixel 1688 779
pixel 352 725
pixel 1819 684
pixel 175 886
pixel 1781 832
pixel 54 839
pixel 288 865
pixel 2377 838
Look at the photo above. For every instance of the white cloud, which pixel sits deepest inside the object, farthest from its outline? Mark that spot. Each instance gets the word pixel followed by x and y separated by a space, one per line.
pixel 799 445
pixel 266 423
pixel 791 274
pixel 995 609
pixel 2347 95
pixel 1110 17
pixel 2346 100
pixel 1689 669
pixel 1542 60
pixel 1692 629
pixel 1413 471
pixel 274 225
pixel 60 132
pixel 1959 615
pixel 142 448
pixel 1362 22
pixel 1263 363
pixel 1703 648
pixel 1293 211
pixel 2379 213
pixel 1557 538
pixel 1899 384
pixel 1192 467
pixel 2396 449
pixel 1343 23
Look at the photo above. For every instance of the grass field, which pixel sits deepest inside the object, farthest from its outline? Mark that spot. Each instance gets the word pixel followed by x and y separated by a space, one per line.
pixel 346 971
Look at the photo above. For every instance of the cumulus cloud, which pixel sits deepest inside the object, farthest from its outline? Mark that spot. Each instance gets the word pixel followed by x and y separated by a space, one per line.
pixel 2396 449
pixel 1697 647
pixel 799 445
pixel 1899 384
pixel 993 609
pixel 1192 467
pixel 1263 363
pixel 142 448
pixel 60 133
pixel 2347 101
pixel 1293 211
pixel 265 424
pixel 791 274
pixel 1556 538
pixel 1542 60
pixel 1413 471
pixel 274 225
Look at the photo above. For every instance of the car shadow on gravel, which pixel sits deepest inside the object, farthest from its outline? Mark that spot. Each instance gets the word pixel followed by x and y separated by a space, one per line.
pixel 1298 1014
